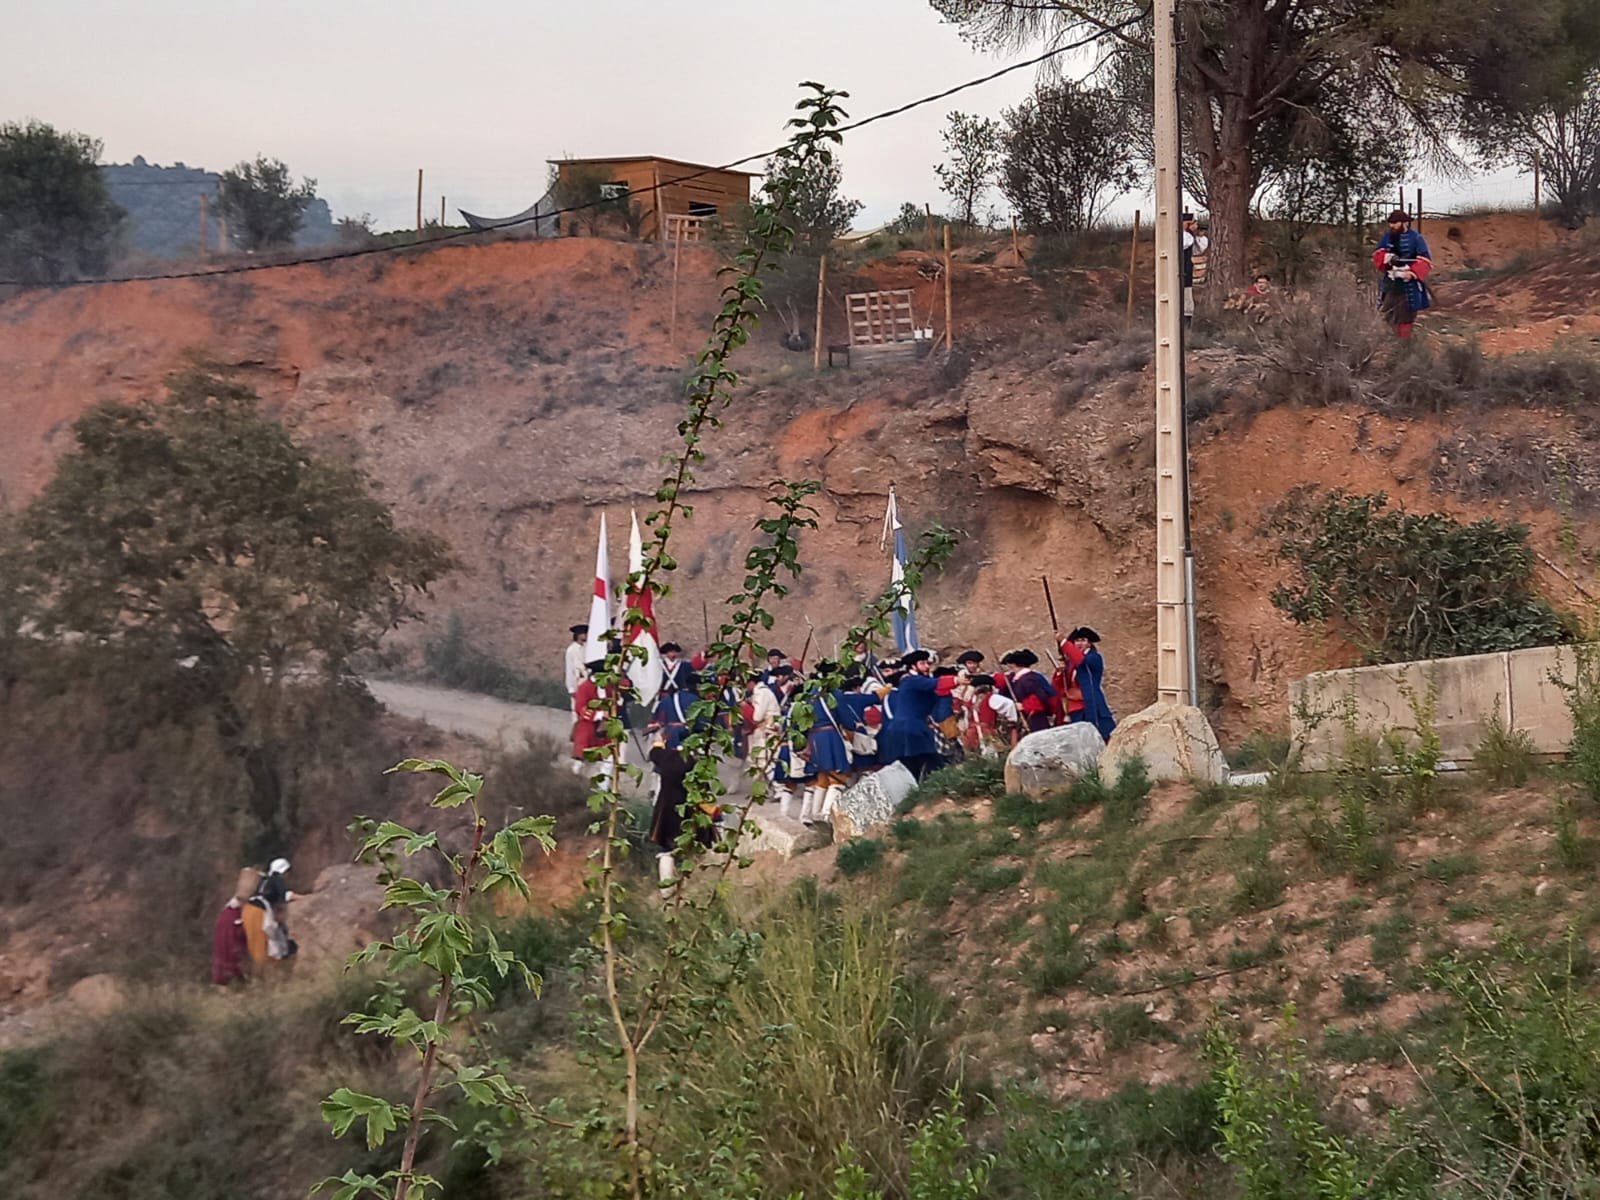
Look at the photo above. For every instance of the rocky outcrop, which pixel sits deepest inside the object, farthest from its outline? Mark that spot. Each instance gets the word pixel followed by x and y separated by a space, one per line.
pixel 1053 759
pixel 871 802
pixel 1175 741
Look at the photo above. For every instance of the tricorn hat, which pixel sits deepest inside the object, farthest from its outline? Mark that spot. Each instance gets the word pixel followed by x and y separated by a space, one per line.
pixel 970 656
pixel 915 657
pixel 1024 658
pixel 1083 631
pixel 577 629
pixel 673 647
pixel 981 681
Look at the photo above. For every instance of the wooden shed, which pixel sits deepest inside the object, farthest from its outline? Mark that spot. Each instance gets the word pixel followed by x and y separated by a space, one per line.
pixel 675 198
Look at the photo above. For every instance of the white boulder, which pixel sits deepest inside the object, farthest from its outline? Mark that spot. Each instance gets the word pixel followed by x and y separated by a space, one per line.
pixel 1176 742
pixel 871 802
pixel 1053 759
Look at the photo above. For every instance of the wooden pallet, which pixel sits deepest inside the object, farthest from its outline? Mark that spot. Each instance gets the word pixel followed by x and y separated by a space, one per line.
pixel 880 318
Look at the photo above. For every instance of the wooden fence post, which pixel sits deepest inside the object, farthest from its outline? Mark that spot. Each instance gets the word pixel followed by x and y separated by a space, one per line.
pixel 822 281
pixel 949 309
pixel 1133 265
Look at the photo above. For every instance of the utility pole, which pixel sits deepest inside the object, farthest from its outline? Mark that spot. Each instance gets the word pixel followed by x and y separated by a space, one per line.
pixel 419 202
pixel 202 224
pixel 1175 682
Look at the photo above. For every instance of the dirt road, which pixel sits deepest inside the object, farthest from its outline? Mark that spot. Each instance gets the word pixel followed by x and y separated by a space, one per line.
pixel 498 722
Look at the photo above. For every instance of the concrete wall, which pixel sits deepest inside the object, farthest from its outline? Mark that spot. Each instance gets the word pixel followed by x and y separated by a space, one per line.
pixel 1467 692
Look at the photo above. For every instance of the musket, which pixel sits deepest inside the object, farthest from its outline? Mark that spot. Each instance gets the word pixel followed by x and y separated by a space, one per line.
pixel 1055 625
pixel 811 632
pixel 705 620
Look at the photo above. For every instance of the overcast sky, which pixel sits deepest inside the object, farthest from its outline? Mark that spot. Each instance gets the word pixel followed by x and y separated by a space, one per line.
pixel 360 93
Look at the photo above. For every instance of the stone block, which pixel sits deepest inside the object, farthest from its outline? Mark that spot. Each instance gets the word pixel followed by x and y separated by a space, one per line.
pixel 1052 760
pixel 783 836
pixel 1175 741
pixel 871 802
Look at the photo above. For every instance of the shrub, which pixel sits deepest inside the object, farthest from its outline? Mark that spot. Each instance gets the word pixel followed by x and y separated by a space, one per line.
pixel 454 661
pixel 1130 1022
pixel 859 855
pixel 1403 586
pixel 1506 756
pixel 975 776
pixel 1582 695
pixel 1357 993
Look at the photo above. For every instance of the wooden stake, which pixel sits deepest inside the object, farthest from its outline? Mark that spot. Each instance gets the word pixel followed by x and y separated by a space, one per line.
pixel 1133 264
pixel 1538 222
pixel 928 208
pixel 949 310
pixel 419 201
pixel 222 234
pixel 1016 250
pixel 672 325
pixel 1417 222
pixel 822 282
pixel 202 224
pixel 441 212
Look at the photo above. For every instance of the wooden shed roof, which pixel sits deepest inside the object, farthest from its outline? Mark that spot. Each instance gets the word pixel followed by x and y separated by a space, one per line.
pixel 677 162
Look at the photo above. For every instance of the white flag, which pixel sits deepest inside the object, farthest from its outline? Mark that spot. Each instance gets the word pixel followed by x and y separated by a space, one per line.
pixel 600 605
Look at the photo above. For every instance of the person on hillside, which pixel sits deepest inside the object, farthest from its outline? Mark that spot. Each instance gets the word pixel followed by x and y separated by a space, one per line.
pixel 946 718
pixel 1030 689
pixel 908 735
pixel 769 703
pixel 775 659
pixel 676 674
pixel 1196 243
pixel 1403 263
pixel 1082 647
pixel 230 948
pixel 671 809
pixel 574 662
pixel 828 751
pixel 275 896
pixel 997 715
pixel 588 727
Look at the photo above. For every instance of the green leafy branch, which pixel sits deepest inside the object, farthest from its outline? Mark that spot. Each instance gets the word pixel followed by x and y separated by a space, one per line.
pixel 440 936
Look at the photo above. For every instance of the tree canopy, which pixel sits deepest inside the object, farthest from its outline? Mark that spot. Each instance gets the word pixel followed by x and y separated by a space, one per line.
pixel 57 220
pixel 818 207
pixel 972 148
pixel 199 529
pixel 261 203
pixel 1066 156
pixel 1249 68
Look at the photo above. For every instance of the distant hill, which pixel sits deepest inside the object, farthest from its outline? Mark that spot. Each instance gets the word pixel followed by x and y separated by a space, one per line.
pixel 163 206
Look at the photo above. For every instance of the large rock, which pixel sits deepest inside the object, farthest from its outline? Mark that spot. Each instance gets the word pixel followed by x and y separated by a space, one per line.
pixel 1175 741
pixel 774 834
pixel 871 802
pixel 1053 759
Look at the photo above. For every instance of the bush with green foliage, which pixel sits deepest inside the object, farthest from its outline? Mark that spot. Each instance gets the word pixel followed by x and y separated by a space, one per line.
pixel 1402 586
pixel 1506 756
pixel 858 855
pixel 57 220
pixel 970 778
pixel 262 204
pixel 455 661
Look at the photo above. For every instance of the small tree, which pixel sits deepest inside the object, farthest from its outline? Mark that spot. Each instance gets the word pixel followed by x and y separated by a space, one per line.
pixel 972 149
pixel 1404 586
pixel 261 204
pixel 1565 135
pixel 57 220
pixel 819 210
pixel 1066 156
pixel 197 559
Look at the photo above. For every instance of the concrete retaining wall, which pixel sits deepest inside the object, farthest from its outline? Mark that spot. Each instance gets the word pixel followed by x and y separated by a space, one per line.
pixel 1467 692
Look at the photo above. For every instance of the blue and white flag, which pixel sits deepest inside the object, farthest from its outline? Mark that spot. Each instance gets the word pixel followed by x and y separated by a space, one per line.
pixel 904 617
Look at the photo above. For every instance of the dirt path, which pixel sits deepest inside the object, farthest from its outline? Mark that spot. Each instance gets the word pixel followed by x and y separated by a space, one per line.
pixel 498 722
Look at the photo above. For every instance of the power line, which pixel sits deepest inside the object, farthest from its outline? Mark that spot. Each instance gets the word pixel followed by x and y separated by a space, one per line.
pixel 365 251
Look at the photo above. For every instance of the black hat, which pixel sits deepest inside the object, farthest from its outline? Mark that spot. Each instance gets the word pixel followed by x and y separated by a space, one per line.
pixel 672 646
pixel 826 667
pixel 915 657
pixel 783 669
pixel 597 665
pixel 943 672
pixel 577 629
pixel 1024 658
pixel 1083 631
pixel 980 681
pixel 970 656
pixel 1399 214
pixel 1008 659
pixel 852 681
pixel 1188 216
pixel 776 653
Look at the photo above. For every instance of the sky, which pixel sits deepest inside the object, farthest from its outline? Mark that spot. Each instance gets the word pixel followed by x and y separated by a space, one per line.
pixel 358 94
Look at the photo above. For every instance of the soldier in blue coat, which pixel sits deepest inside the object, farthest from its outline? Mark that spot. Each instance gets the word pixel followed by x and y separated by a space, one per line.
pixel 1090 678
pixel 1403 264
pixel 907 736
pixel 826 751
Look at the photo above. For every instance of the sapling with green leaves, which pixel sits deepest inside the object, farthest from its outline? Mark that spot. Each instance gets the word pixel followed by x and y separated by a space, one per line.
pixel 443 939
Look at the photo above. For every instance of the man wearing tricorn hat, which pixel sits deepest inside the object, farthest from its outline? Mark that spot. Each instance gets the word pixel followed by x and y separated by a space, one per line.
pixel 908 736
pixel 1403 264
